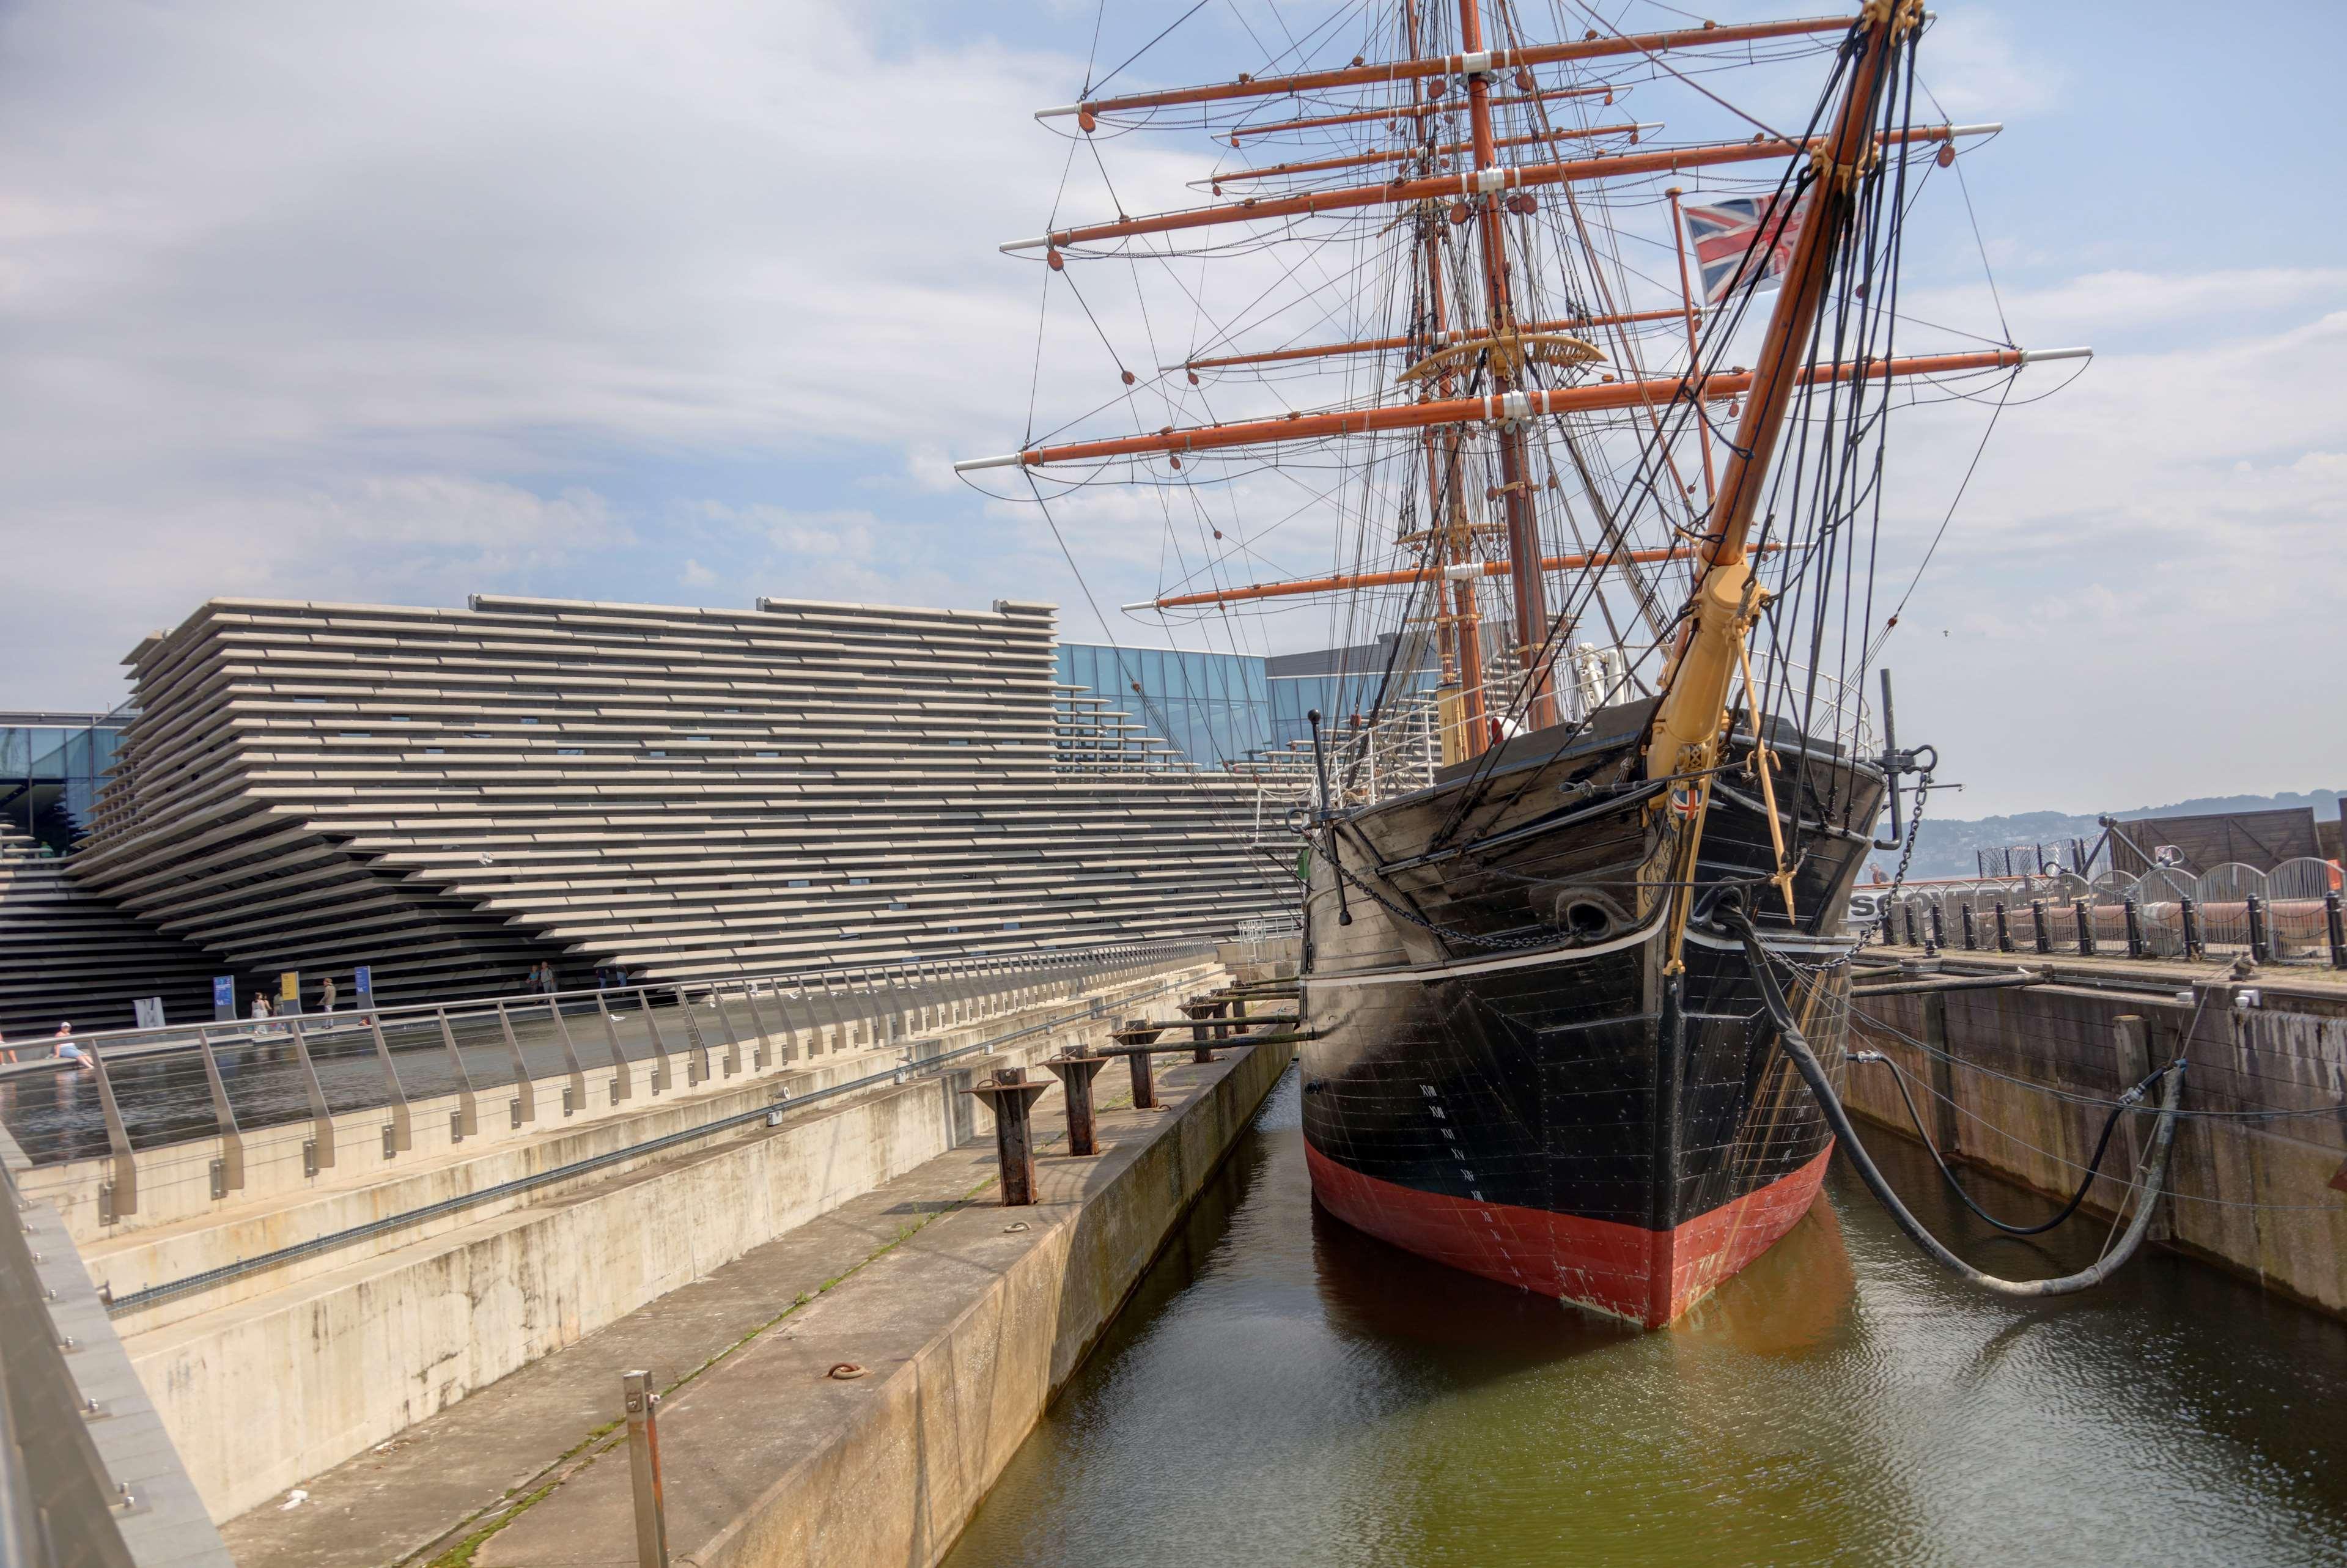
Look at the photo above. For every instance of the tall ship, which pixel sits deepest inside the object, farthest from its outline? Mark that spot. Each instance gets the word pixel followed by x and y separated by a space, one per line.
pixel 1568 355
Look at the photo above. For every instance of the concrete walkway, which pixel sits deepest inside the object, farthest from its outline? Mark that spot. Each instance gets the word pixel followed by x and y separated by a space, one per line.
pixel 468 1472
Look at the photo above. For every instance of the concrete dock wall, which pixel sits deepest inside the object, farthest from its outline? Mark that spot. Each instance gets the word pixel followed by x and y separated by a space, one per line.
pixel 2252 1194
pixel 967 1335
pixel 273 1377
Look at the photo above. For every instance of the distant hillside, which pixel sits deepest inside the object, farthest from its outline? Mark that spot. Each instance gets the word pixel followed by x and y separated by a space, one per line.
pixel 1945 847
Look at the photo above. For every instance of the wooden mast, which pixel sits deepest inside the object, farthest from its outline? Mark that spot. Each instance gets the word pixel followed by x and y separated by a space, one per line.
pixel 1460 718
pixel 1387 345
pixel 1587 398
pixel 1690 719
pixel 1531 590
pixel 1696 685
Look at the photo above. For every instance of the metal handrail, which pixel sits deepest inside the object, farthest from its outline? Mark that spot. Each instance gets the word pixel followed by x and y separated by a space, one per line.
pixel 883 1004
pixel 273 1027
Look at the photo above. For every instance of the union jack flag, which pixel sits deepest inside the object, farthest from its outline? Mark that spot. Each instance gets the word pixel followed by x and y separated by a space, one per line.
pixel 1723 232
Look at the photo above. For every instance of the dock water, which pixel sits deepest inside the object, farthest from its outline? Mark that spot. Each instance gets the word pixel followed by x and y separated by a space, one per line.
pixel 1287 1390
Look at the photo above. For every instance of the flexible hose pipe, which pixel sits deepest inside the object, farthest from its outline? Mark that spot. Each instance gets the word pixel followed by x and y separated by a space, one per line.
pixel 1814 1073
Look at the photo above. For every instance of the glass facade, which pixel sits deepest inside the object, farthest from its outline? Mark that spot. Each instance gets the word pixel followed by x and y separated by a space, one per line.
pixel 1224 707
pixel 1341 682
pixel 51 768
pixel 1215 707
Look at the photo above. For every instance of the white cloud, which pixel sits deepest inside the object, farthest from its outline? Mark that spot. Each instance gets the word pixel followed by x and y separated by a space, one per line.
pixel 299 263
pixel 1973 67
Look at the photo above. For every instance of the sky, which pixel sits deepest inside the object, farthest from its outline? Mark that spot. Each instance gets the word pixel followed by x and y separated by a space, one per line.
pixel 696 301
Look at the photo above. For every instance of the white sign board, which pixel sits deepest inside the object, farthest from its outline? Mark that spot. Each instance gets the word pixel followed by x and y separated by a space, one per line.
pixel 149 1010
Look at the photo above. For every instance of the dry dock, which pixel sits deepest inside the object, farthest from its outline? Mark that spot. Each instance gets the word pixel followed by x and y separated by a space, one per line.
pixel 2013 1059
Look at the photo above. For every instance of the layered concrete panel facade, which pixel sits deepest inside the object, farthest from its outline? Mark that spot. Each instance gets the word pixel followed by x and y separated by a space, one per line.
pixel 451 796
pixel 67 956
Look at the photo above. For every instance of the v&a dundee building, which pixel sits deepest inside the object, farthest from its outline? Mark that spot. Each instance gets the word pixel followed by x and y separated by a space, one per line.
pixel 452 797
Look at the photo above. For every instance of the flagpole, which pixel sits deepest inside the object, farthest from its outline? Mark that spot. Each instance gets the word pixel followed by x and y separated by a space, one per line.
pixel 1686 296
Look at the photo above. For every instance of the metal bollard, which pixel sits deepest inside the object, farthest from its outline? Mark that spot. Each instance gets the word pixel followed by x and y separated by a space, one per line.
pixel 2085 931
pixel 1012 1097
pixel 1075 1074
pixel 1972 931
pixel 1198 1012
pixel 2038 924
pixel 1912 934
pixel 1939 937
pixel 2337 926
pixel 2004 928
pixel 2261 940
pixel 2134 913
pixel 644 1468
pixel 2188 914
pixel 1144 1080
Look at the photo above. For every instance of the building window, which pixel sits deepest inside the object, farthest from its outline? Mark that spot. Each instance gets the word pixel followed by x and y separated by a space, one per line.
pixel 796 882
pixel 569 752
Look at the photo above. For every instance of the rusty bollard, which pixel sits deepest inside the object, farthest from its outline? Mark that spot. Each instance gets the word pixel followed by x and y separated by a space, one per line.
pixel 1012 1097
pixel 1198 1012
pixel 1137 1032
pixel 1076 1073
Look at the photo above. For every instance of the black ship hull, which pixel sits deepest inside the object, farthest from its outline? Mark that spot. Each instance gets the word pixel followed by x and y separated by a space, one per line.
pixel 1513 1077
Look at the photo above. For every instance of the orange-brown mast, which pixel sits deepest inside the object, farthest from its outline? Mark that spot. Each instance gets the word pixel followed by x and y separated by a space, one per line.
pixel 1515 489
pixel 1452 539
pixel 1443 340
pixel 1345 582
pixel 1403 154
pixel 1534 404
pixel 1362 115
pixel 1364 76
pixel 1484 180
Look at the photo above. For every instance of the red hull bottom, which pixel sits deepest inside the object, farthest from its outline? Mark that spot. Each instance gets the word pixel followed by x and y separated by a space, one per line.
pixel 1649 1278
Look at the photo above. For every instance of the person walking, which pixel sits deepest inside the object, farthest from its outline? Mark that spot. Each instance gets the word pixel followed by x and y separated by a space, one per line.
pixel 327 995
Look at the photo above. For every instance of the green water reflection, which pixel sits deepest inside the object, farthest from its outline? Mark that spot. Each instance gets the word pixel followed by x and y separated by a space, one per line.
pixel 1287 1391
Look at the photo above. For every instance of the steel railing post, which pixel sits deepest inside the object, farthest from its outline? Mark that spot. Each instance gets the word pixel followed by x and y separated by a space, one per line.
pixel 524 1089
pixel 403 1131
pixel 123 1198
pixel 788 1048
pixel 228 1171
pixel 661 1079
pixel 696 1045
pixel 624 1076
pixel 758 1035
pixel 642 1406
pixel 733 1040
pixel 574 1097
pixel 468 1110
pixel 321 1120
